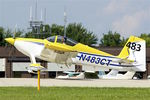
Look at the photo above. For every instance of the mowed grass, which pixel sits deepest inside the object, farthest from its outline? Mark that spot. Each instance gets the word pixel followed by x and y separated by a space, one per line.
pixel 73 93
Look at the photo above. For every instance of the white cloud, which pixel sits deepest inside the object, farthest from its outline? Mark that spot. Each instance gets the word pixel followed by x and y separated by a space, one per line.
pixel 128 17
pixel 129 24
pixel 115 6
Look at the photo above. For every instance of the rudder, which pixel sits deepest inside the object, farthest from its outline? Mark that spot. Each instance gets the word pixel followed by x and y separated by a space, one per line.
pixel 135 51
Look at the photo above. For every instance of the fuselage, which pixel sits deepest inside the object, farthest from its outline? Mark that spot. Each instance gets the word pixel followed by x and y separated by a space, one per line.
pixel 62 53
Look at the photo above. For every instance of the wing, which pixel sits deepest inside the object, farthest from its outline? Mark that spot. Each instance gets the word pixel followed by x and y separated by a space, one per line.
pixel 66 57
pixel 58 53
pixel 59 47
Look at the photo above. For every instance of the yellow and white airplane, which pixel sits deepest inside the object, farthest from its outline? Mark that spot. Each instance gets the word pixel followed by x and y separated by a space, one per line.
pixel 62 50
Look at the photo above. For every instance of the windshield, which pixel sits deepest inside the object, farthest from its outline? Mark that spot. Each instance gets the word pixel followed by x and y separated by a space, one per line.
pixel 61 39
pixel 51 39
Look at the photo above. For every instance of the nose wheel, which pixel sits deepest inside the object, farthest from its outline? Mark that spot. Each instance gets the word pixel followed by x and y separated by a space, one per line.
pixel 35 69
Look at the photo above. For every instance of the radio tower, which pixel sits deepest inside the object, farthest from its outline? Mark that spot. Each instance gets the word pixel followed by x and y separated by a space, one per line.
pixel 35 24
pixel 65 22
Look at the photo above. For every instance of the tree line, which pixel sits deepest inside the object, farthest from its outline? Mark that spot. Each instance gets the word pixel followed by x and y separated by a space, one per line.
pixel 114 39
pixel 75 31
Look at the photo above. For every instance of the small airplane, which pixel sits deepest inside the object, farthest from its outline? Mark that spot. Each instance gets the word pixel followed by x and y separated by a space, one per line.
pixel 63 50
pixel 72 76
pixel 69 75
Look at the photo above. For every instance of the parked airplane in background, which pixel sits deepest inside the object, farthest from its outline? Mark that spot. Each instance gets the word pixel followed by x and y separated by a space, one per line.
pixel 66 51
pixel 72 76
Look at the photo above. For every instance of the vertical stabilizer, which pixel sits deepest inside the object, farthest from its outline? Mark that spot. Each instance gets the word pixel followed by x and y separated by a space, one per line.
pixel 135 52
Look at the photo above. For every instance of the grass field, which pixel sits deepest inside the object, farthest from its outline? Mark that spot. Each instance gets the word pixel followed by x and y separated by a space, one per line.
pixel 73 93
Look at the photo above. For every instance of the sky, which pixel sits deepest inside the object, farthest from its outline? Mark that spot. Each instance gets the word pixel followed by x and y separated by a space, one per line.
pixel 127 17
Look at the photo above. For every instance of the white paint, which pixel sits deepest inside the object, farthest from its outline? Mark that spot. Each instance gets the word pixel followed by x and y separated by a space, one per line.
pixel 113 74
pixel 59 67
pixel 20 66
pixel 2 64
pixel 56 67
pixel 29 48
pixel 93 68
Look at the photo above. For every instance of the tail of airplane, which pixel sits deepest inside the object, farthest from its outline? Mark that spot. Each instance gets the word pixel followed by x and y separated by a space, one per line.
pixel 134 52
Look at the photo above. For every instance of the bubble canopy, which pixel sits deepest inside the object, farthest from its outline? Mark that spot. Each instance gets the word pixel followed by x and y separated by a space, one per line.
pixel 61 39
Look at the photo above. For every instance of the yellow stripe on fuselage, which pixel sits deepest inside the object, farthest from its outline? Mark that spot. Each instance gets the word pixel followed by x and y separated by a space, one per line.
pixel 84 48
pixel 30 40
pixel 63 47
pixel 60 47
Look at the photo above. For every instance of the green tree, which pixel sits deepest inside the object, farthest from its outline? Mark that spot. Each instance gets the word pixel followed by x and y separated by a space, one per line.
pixel 111 39
pixel 81 34
pixel 74 31
pixel 57 30
pixel 123 41
pixel 4 34
pixel 46 31
pixel 18 33
pixel 146 37
pixel 1 36
pixel 8 33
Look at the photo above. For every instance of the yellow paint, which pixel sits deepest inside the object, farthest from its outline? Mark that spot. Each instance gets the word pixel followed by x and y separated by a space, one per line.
pixel 63 47
pixel 30 40
pixel 56 39
pixel 38 80
pixel 124 53
pixel 35 65
pixel 77 48
pixel 60 47
pixel 84 48
pixel 10 40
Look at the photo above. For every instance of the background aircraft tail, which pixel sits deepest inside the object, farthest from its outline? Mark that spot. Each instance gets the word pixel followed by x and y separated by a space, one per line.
pixel 134 52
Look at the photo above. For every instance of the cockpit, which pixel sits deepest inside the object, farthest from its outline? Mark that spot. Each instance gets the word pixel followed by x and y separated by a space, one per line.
pixel 61 39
